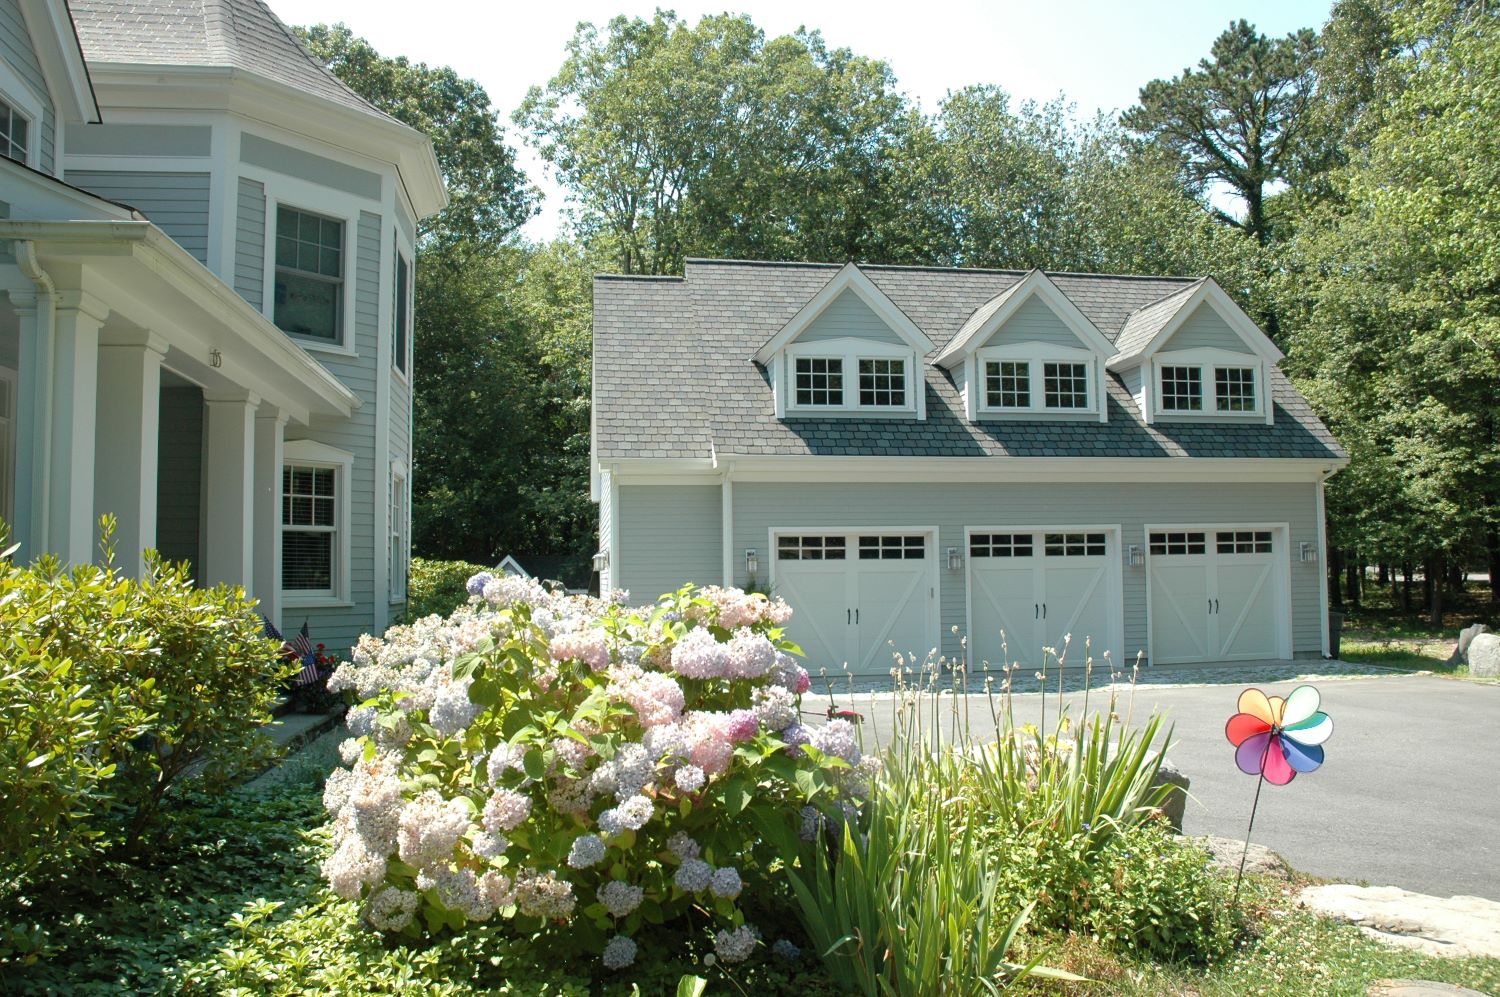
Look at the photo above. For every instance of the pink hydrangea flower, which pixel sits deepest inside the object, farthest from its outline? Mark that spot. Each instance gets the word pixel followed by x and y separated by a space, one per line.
pixel 587 646
pixel 698 655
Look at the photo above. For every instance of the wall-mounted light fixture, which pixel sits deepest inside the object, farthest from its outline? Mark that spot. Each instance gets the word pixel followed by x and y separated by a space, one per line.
pixel 601 561
pixel 752 562
pixel 1134 556
pixel 1306 551
pixel 955 559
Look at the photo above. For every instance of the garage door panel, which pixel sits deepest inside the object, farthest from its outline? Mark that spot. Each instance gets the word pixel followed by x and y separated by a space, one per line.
pixel 1077 602
pixel 1179 612
pixel 1216 594
pixel 1004 601
pixel 892 615
pixel 1246 611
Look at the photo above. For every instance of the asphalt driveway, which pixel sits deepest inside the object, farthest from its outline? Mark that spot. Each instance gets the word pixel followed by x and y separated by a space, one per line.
pixel 1409 795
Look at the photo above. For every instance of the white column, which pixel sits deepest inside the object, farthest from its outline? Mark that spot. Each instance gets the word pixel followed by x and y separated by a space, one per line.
pixel 229 443
pixel 71 528
pixel 34 372
pixel 270 439
pixel 129 422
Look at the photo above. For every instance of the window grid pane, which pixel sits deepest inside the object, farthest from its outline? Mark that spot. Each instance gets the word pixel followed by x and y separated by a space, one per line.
pixel 1170 543
pixel 1073 544
pixel 820 381
pixel 893 548
pixel 1243 541
pixel 1000 545
pixel 1007 384
pixel 810 548
pixel 1065 385
pixel 306 561
pixel 1182 389
pixel 882 382
pixel 309 274
pixel 1234 389
pixel 13 133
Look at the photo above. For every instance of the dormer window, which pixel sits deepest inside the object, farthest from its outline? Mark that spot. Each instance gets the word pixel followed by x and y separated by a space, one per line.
pixel 1183 387
pixel 850 376
pixel 1234 389
pixel 1065 385
pixel 15 129
pixel 820 381
pixel 1035 378
pixel 1007 384
pixel 882 383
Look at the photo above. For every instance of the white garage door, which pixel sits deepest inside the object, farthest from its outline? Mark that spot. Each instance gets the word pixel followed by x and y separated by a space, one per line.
pixel 1029 590
pixel 1218 595
pixel 858 598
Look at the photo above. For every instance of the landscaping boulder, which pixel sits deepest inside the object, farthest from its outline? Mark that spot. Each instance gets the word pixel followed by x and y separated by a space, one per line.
pixel 1260 861
pixel 1452 926
pixel 1465 638
pixel 1484 656
pixel 1175 804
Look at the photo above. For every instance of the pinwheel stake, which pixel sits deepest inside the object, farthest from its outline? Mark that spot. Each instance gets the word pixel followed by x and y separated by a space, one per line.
pixel 1274 739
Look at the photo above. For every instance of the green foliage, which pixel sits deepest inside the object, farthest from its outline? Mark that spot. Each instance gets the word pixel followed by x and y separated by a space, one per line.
pixel 437 586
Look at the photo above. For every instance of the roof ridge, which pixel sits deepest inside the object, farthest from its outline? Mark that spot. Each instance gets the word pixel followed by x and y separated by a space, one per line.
pixel 934 268
pixel 640 276
pixel 1156 301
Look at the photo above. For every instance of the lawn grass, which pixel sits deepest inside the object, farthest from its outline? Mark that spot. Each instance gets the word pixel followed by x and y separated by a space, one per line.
pixel 1380 632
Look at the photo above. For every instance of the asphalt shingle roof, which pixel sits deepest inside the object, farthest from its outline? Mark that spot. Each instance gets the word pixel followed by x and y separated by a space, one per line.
pixel 673 375
pixel 1145 322
pixel 235 34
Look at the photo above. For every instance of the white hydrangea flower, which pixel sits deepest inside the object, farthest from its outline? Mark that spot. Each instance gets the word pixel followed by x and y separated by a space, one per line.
pixel 682 846
pixel 726 883
pixel 391 909
pixel 736 945
pixel 619 952
pixel 689 778
pixel 620 898
pixel 430 827
pixel 587 850
pixel 505 810
pixel 693 876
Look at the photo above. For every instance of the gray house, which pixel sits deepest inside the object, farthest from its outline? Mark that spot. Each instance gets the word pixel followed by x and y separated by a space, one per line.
pixel 205 303
pixel 907 454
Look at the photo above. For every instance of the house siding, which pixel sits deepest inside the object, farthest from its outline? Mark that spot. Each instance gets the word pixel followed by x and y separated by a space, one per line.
pixel 18 52
pixel 140 140
pixel 176 202
pixel 1035 322
pixel 179 478
pixel 669 535
pixel 1206 329
pixel 953 508
pixel 340 627
pixel 250 242
pixel 847 316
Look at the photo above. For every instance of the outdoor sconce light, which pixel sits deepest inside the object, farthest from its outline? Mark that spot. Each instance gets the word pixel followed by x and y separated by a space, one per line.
pixel 601 561
pixel 955 561
pixel 1306 551
pixel 1134 556
pixel 752 562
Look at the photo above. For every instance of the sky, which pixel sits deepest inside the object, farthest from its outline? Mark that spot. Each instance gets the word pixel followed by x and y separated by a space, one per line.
pixel 1096 53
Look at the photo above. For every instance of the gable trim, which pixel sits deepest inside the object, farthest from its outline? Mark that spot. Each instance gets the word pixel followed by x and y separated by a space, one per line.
pixel 1034 284
pixel 1211 294
pixel 848 278
pixel 61 58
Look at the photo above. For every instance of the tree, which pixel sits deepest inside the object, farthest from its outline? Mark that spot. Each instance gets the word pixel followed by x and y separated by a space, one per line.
pixel 675 140
pixel 1236 119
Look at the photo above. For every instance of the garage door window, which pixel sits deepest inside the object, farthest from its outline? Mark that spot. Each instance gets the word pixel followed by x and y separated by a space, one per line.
pixel 897 548
pixel 810 548
pixel 1074 544
pixel 1000 545
pixel 1244 542
pixel 1166 544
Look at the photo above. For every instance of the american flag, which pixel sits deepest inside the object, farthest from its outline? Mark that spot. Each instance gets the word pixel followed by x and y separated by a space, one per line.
pixel 301 646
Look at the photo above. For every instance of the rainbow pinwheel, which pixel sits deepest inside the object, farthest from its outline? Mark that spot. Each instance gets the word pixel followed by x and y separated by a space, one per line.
pixel 1277 738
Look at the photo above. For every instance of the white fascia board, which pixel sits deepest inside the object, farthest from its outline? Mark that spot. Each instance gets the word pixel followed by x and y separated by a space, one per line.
pixel 378 137
pixel 142 246
pixel 751 468
pixel 61 58
pixel 1211 294
pixel 1033 284
pixel 848 278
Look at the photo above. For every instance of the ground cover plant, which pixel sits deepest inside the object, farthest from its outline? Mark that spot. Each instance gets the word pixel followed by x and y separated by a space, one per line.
pixel 436 586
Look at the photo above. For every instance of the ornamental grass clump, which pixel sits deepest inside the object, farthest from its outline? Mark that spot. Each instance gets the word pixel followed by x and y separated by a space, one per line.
pixel 573 768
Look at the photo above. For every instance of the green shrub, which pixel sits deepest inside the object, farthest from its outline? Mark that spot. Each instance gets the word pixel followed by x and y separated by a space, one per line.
pixel 437 586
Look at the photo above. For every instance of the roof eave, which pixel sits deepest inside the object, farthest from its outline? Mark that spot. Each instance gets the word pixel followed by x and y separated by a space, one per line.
pixel 62 60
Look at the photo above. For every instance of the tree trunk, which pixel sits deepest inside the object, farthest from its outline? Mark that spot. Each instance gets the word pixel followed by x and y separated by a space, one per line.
pixel 1335 578
pixel 1406 587
pixel 1456 572
pixel 1354 571
pixel 1435 572
pixel 1385 574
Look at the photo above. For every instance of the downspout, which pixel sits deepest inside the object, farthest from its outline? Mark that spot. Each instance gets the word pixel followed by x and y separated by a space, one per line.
pixel 46 332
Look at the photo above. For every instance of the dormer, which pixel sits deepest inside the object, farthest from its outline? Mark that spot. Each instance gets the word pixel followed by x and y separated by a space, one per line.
pixel 1029 353
pixel 848 352
pixel 1195 355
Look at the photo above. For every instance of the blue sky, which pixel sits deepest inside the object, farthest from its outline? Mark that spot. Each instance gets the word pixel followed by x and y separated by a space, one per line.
pixel 1096 53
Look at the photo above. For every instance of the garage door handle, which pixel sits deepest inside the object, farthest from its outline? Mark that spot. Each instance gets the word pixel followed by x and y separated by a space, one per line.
pixel 848 616
pixel 1044 610
pixel 1036 609
pixel 1216 607
pixel 856 616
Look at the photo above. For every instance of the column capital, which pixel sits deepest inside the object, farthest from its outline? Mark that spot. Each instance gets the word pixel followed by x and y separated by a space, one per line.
pixel 83 302
pixel 141 339
pixel 231 396
pixel 270 413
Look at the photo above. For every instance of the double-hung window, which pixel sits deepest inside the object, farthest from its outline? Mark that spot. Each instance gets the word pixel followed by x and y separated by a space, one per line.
pixel 400 549
pixel 309 275
pixel 309 530
pixel 15 132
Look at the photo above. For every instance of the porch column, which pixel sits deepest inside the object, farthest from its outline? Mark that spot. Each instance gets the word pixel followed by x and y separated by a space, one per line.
pixel 229 443
pixel 129 421
pixel 270 438
pixel 33 372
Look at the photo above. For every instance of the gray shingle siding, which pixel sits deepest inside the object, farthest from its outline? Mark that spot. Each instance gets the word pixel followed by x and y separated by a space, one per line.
pixel 250 242
pixel 669 535
pixel 674 378
pixel 176 202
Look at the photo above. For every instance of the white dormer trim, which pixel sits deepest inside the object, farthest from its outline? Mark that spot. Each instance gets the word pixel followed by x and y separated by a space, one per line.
pixel 1208 361
pixel 1036 356
pixel 1034 284
pixel 849 351
pixel 849 278
pixel 63 67
pixel 1211 294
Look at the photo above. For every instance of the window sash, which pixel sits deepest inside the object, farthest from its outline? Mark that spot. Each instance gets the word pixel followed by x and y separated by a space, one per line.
pixel 400 526
pixel 1007 384
pixel 15 129
pixel 820 381
pixel 882 382
pixel 310 529
pixel 403 276
pixel 309 279
pixel 1065 385
pixel 1181 388
pixel 1234 389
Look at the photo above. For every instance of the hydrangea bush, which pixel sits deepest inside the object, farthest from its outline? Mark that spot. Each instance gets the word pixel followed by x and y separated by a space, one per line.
pixel 578 768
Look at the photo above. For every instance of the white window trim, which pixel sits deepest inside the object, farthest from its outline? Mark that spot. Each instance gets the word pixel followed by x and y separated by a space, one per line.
pixel 310 453
pixel 19 95
pixel 851 351
pixel 399 481
pixel 404 252
pixel 1208 361
pixel 1035 355
pixel 303 195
